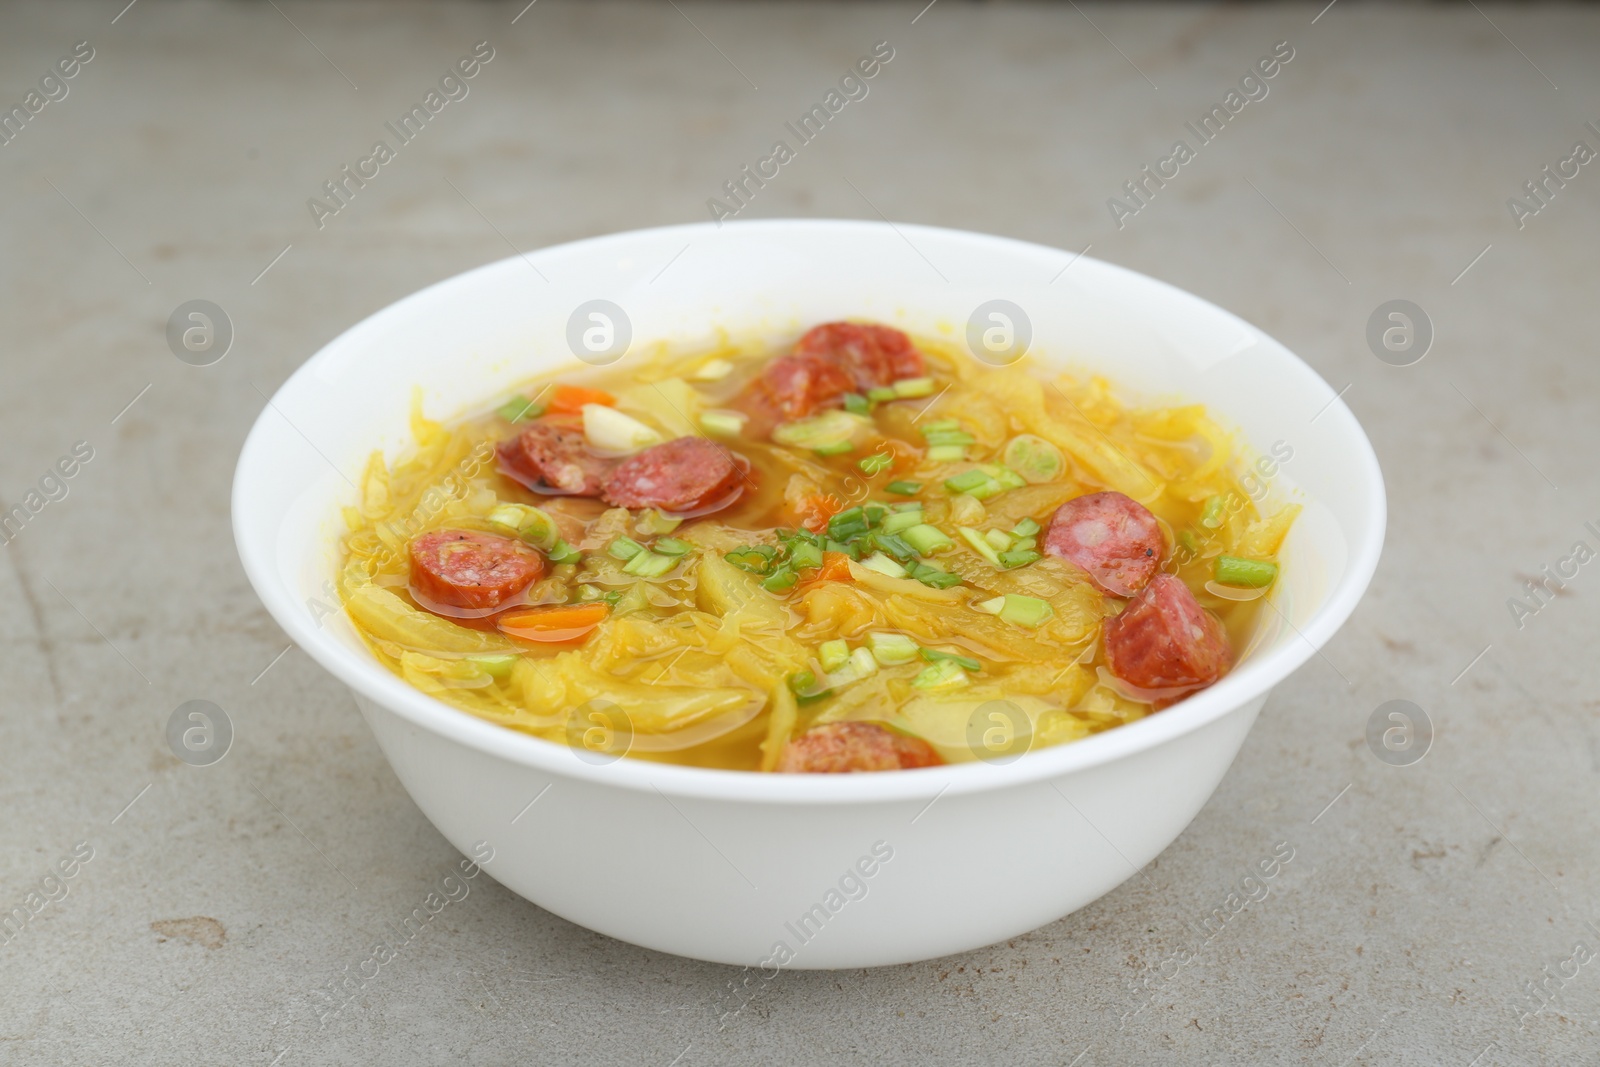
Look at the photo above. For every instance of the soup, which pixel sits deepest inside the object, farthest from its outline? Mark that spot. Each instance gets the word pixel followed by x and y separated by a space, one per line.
pixel 861 552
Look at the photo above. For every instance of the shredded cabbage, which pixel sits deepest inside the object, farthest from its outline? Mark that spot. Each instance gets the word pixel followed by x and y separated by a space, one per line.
pixel 700 665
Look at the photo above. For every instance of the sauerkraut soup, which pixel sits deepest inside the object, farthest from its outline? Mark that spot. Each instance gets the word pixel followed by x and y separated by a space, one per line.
pixel 860 552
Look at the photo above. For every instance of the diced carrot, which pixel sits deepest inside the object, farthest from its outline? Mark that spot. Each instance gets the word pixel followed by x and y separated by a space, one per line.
pixel 569 399
pixel 835 568
pixel 815 512
pixel 553 623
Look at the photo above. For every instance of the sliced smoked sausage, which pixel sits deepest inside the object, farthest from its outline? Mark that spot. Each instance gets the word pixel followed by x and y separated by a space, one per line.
pixel 1164 639
pixel 471 570
pixel 794 386
pixel 829 361
pixel 684 476
pixel 550 458
pixel 872 354
pixel 844 747
pixel 1113 537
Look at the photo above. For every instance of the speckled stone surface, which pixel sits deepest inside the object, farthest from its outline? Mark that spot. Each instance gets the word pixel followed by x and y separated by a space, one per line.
pixel 1430 912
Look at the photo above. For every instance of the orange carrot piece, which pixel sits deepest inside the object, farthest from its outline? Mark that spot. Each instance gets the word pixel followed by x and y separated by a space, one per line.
pixel 553 623
pixel 570 399
pixel 817 510
pixel 835 568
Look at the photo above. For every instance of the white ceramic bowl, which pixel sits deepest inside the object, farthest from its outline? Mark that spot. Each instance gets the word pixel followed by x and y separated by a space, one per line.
pixel 802 871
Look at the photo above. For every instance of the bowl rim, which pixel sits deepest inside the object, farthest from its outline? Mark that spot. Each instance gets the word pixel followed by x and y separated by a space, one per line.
pixel 1248 682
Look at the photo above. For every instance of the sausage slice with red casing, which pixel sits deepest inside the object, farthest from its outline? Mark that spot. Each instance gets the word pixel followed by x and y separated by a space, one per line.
pixel 1164 639
pixel 471 570
pixel 1112 536
pixel 872 354
pixel 848 747
pixel 794 386
pixel 551 458
pixel 827 362
pixel 687 475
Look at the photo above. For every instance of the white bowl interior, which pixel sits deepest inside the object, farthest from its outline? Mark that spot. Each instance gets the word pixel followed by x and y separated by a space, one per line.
pixel 465 341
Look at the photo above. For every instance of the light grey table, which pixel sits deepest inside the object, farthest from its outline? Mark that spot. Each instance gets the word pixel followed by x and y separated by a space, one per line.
pixel 1428 911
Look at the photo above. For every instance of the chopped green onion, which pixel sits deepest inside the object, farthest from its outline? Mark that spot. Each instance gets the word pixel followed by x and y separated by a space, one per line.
pixel 830 426
pixel 875 513
pixel 876 463
pixel 856 404
pixel 947 453
pixel 906 505
pixel 1026 611
pixel 911 388
pixel 649 564
pixel 1019 557
pixel 902 520
pixel 1025 528
pixel 1034 458
pixel 511 516
pixel 1025 542
pixel 941 424
pixel 928 574
pixel 496 666
pixel 671 546
pixel 890 650
pixel 1008 478
pixel 804 554
pixel 834 448
pixel 847 548
pixel 949 437
pixel 881 393
pixel 1256 573
pixel 979 483
pixel 833 655
pixel 545 535
pixel 519 409
pixel 992 606
pixel 847 517
pixel 589 593
pixel 779 580
pixel 1211 514
pixel 883 565
pixel 564 553
pixel 999 540
pixel 945 674
pixel 904 488
pixel 845 531
pixel 804 686
pixel 757 559
pixel 966 481
pixel 894 546
pixel 723 423
pixel 651 522
pixel 529 523
pixel 933 655
pixel 979 545
pixel 1187 539
pixel 624 548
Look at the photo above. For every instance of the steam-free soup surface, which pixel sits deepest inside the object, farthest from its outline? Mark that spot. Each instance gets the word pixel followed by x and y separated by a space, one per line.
pixel 854 551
